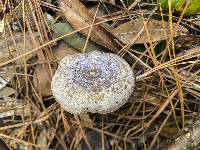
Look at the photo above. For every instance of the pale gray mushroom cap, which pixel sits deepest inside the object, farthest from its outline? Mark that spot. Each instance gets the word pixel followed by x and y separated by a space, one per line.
pixel 92 82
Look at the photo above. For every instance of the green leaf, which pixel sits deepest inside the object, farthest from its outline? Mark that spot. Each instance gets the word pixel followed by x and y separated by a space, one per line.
pixel 165 6
pixel 193 8
pixel 179 5
pixel 76 40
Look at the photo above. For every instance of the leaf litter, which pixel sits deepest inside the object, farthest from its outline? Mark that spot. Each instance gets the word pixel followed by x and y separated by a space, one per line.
pixel 151 119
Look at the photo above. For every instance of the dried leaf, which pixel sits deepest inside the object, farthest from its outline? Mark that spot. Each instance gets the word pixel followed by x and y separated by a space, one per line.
pixel 2 83
pixel 128 31
pixel 152 99
pixel 6 92
pixel 189 139
pixel 169 132
pixel 6 74
pixel 63 50
pixel 18 11
pixel 2 25
pixel 42 80
pixel 79 17
pixel 10 48
pixel 85 120
pixel 101 11
pixel 94 137
pixel 186 42
pixel 10 107
pixel 46 133
pixel 42 138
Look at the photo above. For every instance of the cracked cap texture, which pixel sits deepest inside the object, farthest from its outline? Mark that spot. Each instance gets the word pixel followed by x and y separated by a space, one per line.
pixel 93 82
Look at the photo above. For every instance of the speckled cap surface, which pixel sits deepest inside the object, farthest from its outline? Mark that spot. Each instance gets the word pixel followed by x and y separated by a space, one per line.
pixel 93 82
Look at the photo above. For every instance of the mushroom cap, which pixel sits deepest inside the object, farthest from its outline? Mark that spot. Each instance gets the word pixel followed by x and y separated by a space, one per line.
pixel 93 82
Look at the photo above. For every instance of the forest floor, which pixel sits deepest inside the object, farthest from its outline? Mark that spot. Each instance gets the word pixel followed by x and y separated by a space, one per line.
pixel 161 45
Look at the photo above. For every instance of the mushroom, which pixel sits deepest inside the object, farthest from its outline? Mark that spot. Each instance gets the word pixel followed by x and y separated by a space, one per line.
pixel 93 82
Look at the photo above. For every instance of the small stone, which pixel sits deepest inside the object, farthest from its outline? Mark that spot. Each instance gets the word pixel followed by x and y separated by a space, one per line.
pixel 93 82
